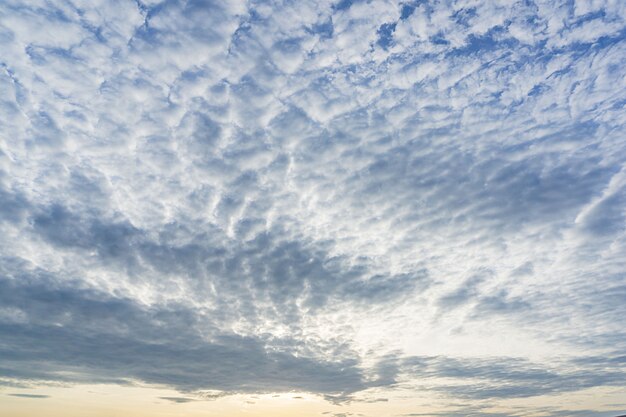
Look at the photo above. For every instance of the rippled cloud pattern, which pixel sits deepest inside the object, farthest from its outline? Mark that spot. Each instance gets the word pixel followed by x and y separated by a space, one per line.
pixel 344 198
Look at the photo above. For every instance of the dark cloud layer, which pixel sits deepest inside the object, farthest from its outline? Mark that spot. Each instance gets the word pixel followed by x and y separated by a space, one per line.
pixel 95 336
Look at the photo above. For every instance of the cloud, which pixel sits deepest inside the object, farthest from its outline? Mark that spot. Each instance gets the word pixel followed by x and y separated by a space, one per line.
pixel 506 378
pixel 93 337
pixel 178 400
pixel 484 411
pixel 327 197
pixel 29 395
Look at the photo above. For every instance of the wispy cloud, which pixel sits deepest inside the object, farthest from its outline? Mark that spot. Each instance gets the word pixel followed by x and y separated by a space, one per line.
pixel 29 395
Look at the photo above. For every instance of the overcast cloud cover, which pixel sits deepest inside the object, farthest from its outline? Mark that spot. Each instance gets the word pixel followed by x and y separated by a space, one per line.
pixel 334 197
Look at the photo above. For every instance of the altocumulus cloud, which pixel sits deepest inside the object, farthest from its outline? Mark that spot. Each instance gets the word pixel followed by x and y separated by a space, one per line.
pixel 253 196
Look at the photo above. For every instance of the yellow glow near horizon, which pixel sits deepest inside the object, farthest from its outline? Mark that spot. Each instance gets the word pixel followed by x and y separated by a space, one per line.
pixel 134 401
pixel 111 400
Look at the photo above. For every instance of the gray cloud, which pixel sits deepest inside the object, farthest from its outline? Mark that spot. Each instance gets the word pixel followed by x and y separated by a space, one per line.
pixel 515 378
pixel 98 336
pixel 482 411
pixel 178 400
pixel 29 395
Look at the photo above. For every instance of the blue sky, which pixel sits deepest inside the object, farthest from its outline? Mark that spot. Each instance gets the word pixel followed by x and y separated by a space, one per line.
pixel 357 200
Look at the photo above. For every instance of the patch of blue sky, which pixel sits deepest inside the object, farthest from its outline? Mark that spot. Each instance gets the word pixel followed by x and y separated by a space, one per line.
pixel 385 34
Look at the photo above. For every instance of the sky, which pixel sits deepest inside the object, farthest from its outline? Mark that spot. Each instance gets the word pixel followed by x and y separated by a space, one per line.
pixel 330 208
